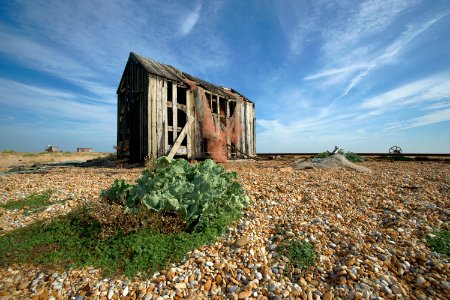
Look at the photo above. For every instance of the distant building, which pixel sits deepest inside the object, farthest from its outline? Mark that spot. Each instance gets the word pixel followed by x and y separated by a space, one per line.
pixel 85 149
pixel 164 111
pixel 51 148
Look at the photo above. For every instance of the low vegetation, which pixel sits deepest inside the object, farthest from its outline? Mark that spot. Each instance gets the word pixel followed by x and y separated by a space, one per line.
pixel 172 209
pixel 353 157
pixel 439 241
pixel 301 253
pixel 9 151
pixel 198 193
pixel 31 202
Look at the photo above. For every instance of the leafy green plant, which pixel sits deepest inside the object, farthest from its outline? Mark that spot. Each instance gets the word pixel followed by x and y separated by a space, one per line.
pixel 199 193
pixel 439 241
pixel 301 253
pixel 131 232
pixel 353 157
pixel 32 201
pixel 323 154
pixel 118 193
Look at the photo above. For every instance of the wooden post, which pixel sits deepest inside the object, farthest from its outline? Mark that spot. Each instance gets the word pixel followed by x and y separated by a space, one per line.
pixel 159 117
pixel 165 141
pixel 227 118
pixel 174 112
pixel 154 129
pixel 191 128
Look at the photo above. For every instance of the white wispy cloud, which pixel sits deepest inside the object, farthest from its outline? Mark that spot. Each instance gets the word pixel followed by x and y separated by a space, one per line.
pixel 189 22
pixel 433 88
pixel 434 117
pixel 382 57
pixel 85 40
pixel 431 118
pixel 335 71
pixel 39 56
pixel 56 105
pixel 367 19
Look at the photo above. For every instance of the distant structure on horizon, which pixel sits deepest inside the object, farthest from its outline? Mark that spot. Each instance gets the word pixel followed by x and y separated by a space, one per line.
pixel 51 148
pixel 164 111
pixel 85 149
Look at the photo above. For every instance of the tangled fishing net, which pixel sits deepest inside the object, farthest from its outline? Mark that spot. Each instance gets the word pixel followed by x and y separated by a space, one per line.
pixel 217 134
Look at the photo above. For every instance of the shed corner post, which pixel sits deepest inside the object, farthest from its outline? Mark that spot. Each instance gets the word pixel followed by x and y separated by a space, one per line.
pixel 190 112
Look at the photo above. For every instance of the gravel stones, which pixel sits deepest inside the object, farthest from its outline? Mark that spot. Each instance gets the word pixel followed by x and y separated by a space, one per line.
pixel 367 228
pixel 242 241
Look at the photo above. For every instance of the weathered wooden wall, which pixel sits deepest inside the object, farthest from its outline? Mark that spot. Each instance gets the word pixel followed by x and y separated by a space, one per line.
pixel 132 111
pixel 145 105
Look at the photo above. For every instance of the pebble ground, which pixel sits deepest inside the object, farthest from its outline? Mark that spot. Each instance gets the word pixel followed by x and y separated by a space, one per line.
pixel 368 229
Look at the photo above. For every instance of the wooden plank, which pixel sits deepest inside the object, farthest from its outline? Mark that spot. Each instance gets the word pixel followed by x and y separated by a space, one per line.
pixel 252 129
pixel 139 125
pixel 191 128
pixel 180 138
pixel 150 88
pixel 164 117
pixel 174 111
pixel 249 130
pixel 154 121
pixel 242 120
pixel 119 123
pixel 159 117
pixel 227 116
pixel 246 132
pixel 182 150
pixel 198 138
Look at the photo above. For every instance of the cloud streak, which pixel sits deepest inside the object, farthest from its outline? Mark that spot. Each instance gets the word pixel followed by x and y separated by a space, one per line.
pixel 188 24
pixel 428 89
pixel 54 105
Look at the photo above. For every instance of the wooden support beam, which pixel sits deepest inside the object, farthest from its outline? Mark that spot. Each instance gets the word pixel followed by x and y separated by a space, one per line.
pixel 227 116
pixel 152 115
pixel 190 114
pixel 180 139
pixel 174 111
pixel 164 116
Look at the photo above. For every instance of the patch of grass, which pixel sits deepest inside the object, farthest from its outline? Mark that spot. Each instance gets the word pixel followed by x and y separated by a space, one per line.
pixel 69 241
pixel 33 154
pixel 9 151
pixel 353 157
pixel 32 201
pixel 439 241
pixel 136 228
pixel 301 253
pixel 30 154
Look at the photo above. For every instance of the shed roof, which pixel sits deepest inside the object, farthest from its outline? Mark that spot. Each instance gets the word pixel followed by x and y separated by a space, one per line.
pixel 169 72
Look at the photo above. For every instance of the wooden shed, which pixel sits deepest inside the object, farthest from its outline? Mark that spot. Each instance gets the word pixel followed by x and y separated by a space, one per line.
pixel 160 111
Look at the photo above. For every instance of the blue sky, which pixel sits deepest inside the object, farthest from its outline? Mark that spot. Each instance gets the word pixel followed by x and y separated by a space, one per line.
pixel 363 75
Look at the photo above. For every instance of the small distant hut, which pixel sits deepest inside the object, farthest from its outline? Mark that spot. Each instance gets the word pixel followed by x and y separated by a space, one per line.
pixel 51 148
pixel 85 150
pixel 164 111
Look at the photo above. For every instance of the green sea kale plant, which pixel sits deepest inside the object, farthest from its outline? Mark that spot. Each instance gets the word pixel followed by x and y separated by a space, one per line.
pixel 197 192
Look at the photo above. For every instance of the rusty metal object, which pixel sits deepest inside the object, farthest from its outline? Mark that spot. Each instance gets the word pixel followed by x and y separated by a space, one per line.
pixel 395 150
